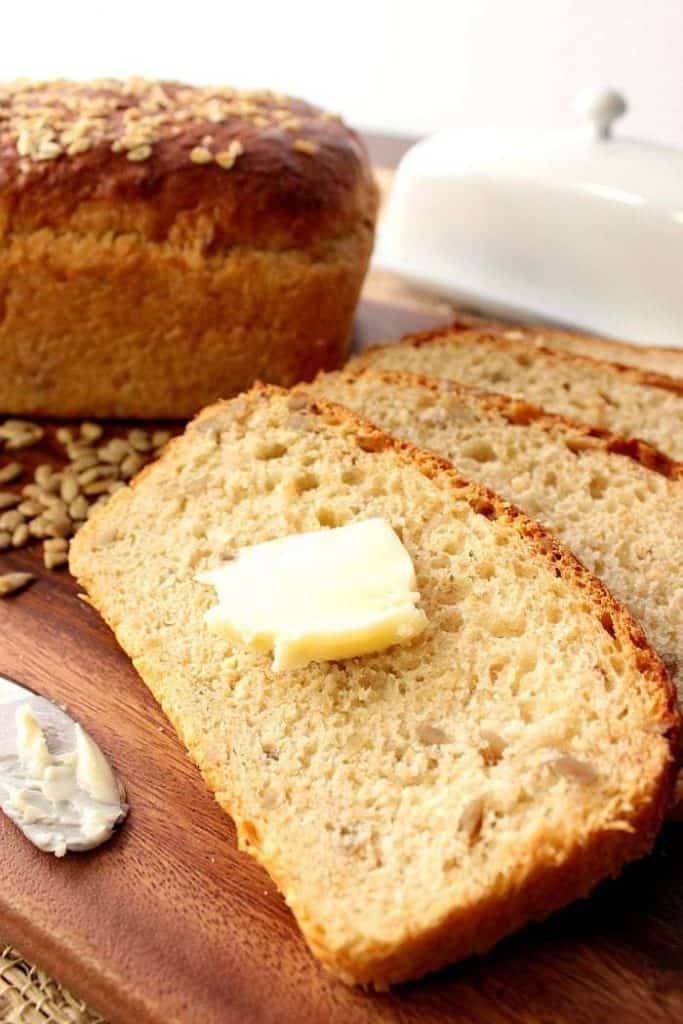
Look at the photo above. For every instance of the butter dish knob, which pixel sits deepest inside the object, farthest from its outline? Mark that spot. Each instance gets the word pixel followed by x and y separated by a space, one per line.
pixel 598 108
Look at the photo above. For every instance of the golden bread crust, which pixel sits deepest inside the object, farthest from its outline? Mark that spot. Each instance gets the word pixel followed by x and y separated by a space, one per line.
pixel 162 246
pixel 299 176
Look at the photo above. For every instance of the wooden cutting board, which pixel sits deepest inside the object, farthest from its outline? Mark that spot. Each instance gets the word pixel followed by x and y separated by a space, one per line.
pixel 169 923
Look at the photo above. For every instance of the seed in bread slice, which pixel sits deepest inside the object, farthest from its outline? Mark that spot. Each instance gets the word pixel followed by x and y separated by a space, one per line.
pixel 655 358
pixel 617 504
pixel 625 400
pixel 414 805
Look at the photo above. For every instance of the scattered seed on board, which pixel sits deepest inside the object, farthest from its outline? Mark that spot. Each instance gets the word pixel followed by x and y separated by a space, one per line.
pixel 43 476
pixel 30 508
pixel 64 435
pixel 86 461
pixel 32 491
pixel 53 505
pixel 59 526
pixel 10 520
pixel 54 559
pixel 11 472
pixel 20 535
pixel 97 487
pixel 56 544
pixel 78 509
pixel 69 488
pixel 91 431
pixel 57 503
pixel 37 527
pixel 160 438
pixel 140 440
pixel 131 465
pixel 10 582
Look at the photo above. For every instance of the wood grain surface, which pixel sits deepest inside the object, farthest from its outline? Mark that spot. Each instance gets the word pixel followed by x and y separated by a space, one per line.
pixel 169 923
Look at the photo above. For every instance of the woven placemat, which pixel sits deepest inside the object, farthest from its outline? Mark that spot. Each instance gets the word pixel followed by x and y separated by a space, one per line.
pixel 29 996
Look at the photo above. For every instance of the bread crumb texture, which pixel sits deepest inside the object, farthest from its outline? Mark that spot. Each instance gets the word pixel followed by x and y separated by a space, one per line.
pixel 414 805
pixel 624 400
pixel 617 507
pixel 655 358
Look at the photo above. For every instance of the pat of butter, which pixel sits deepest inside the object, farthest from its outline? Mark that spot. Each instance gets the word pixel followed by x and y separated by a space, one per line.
pixel 321 596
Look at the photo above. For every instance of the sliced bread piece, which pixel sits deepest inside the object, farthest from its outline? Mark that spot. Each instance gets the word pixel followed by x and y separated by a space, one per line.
pixel 656 358
pixel 624 400
pixel 653 358
pixel 414 805
pixel 617 504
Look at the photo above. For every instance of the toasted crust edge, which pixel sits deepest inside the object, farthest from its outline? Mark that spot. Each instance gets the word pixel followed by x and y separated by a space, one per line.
pixel 519 412
pixel 538 892
pixel 530 332
pixel 491 333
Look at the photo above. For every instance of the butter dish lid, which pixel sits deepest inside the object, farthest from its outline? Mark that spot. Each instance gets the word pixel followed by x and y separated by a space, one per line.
pixel 578 228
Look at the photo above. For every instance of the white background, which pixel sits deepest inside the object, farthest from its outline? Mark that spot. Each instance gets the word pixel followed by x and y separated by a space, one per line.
pixel 407 65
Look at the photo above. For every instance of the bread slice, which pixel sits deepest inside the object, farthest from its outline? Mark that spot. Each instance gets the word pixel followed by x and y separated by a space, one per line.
pixel 415 805
pixel 616 504
pixel 656 358
pixel 621 399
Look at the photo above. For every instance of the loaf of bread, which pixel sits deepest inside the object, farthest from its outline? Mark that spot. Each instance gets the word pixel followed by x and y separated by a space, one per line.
pixel 163 245
pixel 656 358
pixel 413 805
pixel 616 504
pixel 624 400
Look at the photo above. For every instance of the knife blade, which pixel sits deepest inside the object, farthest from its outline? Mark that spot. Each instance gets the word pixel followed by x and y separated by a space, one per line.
pixel 56 785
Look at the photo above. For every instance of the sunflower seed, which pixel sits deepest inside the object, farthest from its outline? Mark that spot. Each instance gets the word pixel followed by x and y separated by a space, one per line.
pixel 69 488
pixel 53 505
pixel 471 818
pixel 55 559
pixel 13 581
pixel 97 487
pixel 64 435
pixel 160 438
pixel 114 452
pixel 78 509
pixel 43 477
pixel 59 526
pixel 140 441
pixel 98 472
pixel 38 527
pixel 572 768
pixel 91 431
pixel 13 425
pixel 8 499
pixel 86 461
pixel 5 540
pixel 32 491
pixel 10 520
pixel 56 544
pixel 131 465
pixel 20 536
pixel 77 448
pixel 30 508
pixel 11 472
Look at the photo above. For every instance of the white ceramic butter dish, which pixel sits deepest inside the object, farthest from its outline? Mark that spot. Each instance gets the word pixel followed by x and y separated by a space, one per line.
pixel 576 228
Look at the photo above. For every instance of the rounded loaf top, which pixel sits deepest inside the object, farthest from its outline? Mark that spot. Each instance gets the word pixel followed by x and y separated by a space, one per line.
pixel 170 162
